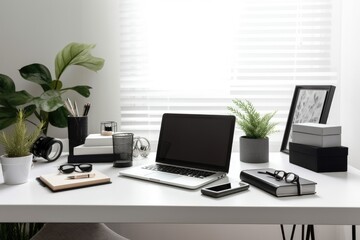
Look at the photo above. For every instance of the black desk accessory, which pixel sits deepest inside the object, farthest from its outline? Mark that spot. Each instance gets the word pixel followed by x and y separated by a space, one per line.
pixel 319 159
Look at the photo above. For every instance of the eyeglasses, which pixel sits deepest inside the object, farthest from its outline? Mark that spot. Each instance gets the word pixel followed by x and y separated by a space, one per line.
pixel 288 177
pixel 69 168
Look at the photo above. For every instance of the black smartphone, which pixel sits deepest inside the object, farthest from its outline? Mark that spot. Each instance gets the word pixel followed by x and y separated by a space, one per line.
pixel 224 189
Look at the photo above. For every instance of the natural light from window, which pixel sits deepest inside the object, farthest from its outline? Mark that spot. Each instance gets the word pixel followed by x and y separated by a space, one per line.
pixel 196 56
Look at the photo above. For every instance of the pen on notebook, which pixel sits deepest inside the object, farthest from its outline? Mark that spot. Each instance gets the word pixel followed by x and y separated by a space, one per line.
pixel 87 175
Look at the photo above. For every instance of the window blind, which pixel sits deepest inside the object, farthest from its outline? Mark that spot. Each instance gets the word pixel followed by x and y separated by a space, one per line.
pixel 196 56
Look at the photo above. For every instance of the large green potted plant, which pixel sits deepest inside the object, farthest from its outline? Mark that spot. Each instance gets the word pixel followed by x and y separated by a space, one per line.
pixel 48 107
pixel 17 160
pixel 254 146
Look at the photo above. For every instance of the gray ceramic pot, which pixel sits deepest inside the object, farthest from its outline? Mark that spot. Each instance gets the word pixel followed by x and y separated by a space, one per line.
pixel 254 150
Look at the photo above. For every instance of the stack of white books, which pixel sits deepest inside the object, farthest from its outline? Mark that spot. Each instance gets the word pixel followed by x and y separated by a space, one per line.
pixel 95 144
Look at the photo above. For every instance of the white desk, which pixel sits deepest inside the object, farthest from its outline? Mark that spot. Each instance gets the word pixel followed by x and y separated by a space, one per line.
pixel 134 201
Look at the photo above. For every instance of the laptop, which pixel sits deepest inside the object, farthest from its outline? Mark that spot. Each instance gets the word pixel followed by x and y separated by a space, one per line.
pixel 193 150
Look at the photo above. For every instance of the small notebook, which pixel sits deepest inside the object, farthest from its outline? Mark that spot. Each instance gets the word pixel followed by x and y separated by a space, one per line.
pixel 60 182
pixel 275 187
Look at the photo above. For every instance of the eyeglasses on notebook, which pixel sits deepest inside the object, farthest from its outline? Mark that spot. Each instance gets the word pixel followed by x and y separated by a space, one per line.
pixel 70 168
pixel 288 177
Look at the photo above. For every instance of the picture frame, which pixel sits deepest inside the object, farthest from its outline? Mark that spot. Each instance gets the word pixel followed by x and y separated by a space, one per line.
pixel 310 103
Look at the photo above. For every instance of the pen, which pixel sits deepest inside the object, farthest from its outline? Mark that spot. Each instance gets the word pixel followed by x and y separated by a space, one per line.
pixel 76 109
pixel 86 109
pixel 71 107
pixel 87 175
pixel 68 108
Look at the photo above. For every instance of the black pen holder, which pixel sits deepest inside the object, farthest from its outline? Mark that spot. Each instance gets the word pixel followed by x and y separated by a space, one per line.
pixel 77 132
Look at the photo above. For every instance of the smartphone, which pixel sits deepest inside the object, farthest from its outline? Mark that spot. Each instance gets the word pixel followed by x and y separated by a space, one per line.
pixel 224 189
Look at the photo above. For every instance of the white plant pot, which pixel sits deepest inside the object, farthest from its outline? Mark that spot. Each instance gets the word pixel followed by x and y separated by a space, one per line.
pixel 16 170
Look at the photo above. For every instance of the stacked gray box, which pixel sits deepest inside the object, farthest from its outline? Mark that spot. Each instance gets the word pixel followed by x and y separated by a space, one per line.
pixel 316 134
pixel 318 147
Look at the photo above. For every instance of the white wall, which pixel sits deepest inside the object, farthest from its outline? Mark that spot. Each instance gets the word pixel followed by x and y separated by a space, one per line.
pixel 34 31
pixel 350 79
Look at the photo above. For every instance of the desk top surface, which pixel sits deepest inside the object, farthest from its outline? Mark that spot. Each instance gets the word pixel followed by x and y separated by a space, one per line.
pixel 337 200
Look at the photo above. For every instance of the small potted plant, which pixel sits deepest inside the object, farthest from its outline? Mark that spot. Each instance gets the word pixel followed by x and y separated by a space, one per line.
pixel 254 146
pixel 16 162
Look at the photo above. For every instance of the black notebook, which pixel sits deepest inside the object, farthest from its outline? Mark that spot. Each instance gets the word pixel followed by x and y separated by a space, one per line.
pixel 278 188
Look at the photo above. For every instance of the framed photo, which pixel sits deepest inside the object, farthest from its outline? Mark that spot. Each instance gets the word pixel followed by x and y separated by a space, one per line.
pixel 310 103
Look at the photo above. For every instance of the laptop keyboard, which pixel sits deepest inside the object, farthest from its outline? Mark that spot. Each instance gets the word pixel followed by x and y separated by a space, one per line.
pixel 179 170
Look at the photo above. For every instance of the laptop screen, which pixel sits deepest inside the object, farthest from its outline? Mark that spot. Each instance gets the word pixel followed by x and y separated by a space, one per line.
pixel 198 141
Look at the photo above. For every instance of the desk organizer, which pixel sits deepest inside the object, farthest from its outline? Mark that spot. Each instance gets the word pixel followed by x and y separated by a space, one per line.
pixel 319 159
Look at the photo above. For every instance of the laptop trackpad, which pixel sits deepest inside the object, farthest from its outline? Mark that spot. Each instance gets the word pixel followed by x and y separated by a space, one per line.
pixel 162 176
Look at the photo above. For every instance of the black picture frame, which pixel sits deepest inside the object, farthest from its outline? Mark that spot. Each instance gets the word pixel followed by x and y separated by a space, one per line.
pixel 310 103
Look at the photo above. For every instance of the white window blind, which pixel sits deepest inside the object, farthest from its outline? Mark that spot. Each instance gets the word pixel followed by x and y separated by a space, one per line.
pixel 196 56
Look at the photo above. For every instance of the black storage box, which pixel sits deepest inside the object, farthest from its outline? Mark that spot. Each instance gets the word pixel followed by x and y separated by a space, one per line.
pixel 319 159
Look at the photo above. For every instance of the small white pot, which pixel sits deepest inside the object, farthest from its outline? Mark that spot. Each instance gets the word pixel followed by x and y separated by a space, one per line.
pixel 16 170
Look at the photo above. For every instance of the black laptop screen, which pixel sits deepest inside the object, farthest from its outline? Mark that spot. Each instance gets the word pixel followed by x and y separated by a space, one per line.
pixel 198 141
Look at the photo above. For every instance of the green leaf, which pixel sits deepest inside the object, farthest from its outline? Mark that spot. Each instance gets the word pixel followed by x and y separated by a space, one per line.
pixel 49 101
pixel 8 116
pixel 3 101
pixel 83 90
pixel 13 99
pixel 56 85
pixel 58 118
pixel 37 73
pixel 77 54
pixel 29 110
pixel 7 85
pixel 18 98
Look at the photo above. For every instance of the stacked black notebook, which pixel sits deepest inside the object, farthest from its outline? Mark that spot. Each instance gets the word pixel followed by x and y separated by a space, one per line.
pixel 278 188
